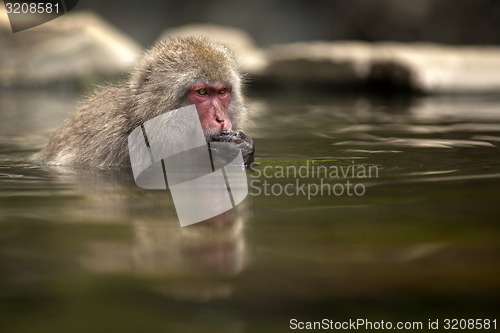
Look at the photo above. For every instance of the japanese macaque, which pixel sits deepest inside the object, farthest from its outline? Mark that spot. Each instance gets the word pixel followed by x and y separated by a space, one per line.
pixel 174 73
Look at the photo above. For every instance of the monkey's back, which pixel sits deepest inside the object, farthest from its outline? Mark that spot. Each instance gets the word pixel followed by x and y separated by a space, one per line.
pixel 96 134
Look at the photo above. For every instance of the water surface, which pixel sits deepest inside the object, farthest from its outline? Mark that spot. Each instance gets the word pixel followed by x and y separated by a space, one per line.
pixel 88 251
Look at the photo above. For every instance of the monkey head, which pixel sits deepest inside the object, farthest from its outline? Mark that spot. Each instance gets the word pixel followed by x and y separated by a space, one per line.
pixel 185 71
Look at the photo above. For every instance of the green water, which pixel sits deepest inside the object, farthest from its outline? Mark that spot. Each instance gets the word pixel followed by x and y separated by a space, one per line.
pixel 88 251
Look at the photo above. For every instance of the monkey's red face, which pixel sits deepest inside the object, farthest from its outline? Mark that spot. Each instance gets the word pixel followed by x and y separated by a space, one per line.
pixel 212 102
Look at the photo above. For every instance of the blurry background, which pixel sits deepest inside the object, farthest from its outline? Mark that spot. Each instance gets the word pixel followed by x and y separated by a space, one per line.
pixel 429 46
pixel 281 21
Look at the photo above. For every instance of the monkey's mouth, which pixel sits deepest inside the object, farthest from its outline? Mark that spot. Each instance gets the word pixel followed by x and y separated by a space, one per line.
pixel 214 135
pixel 221 136
pixel 211 135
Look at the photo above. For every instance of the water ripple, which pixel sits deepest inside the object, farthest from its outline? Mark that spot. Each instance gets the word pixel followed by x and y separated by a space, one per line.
pixel 417 143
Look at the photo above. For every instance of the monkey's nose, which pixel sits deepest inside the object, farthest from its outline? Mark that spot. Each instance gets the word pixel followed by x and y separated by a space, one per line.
pixel 219 120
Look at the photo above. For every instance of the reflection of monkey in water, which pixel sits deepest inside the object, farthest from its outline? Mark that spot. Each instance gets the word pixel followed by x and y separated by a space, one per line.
pixel 172 74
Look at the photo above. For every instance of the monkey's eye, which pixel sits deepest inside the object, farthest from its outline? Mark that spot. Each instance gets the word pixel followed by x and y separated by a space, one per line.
pixel 201 91
pixel 222 91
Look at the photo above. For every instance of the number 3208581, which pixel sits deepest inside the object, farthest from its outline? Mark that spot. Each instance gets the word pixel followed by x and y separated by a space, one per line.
pixel 31 8
pixel 471 324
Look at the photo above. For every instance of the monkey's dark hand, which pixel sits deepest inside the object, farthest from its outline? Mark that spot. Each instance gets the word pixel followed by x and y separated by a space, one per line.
pixel 244 143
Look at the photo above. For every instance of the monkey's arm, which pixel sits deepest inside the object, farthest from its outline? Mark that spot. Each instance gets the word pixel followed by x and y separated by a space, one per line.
pixel 244 143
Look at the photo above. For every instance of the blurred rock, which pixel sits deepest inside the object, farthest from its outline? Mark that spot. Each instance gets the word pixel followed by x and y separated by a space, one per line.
pixel 434 68
pixel 429 68
pixel 251 59
pixel 319 62
pixel 70 48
